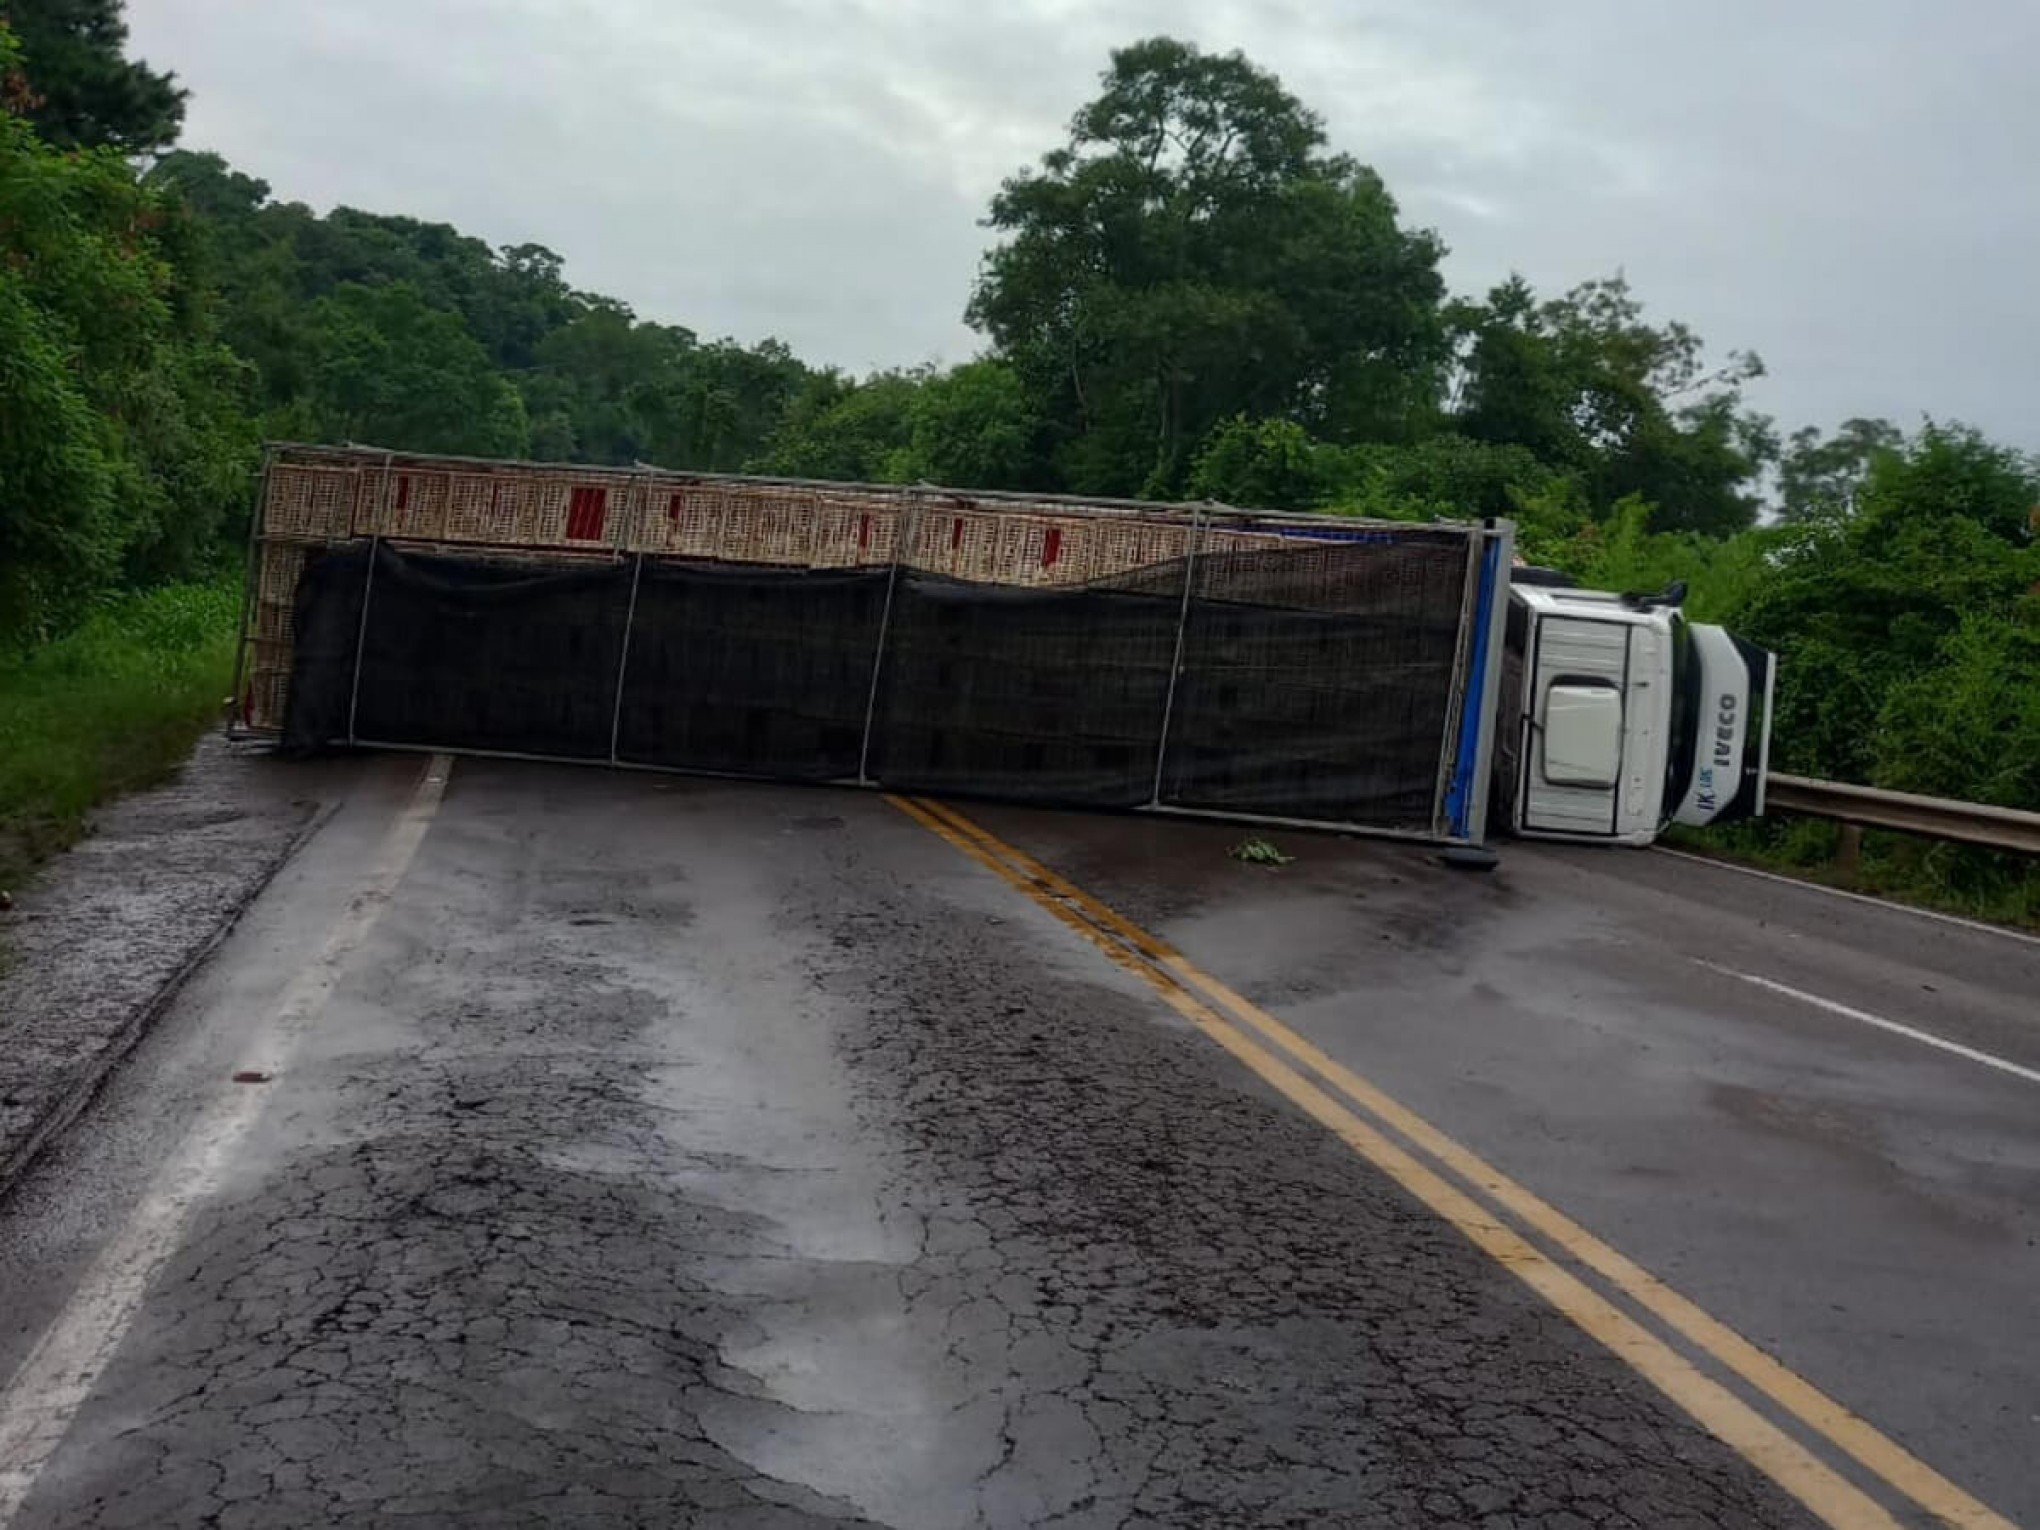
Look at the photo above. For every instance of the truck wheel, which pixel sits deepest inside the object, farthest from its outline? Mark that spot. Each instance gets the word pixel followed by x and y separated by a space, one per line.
pixel 1470 858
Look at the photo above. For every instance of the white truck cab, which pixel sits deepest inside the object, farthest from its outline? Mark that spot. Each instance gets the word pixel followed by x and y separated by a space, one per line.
pixel 1619 716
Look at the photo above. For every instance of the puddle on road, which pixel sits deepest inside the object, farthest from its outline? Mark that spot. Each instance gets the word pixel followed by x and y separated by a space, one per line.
pixel 850 1387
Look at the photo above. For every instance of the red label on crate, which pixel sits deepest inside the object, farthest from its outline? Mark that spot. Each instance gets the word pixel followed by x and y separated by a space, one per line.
pixel 1051 546
pixel 403 491
pixel 956 533
pixel 674 506
pixel 586 510
pixel 863 531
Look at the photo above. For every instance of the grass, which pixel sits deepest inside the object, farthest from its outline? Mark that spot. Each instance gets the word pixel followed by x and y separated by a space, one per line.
pixel 112 706
pixel 1955 879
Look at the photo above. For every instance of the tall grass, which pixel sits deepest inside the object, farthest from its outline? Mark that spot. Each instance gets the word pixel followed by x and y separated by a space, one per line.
pixel 114 705
pixel 1957 879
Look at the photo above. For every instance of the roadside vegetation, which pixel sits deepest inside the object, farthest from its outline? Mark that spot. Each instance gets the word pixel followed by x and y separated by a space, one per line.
pixel 112 705
pixel 1193 296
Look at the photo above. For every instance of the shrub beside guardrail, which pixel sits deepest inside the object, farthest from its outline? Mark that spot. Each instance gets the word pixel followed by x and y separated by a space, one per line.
pixel 1871 807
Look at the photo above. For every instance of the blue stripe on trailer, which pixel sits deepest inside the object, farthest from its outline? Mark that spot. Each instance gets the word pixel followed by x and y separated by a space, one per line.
pixel 1333 534
pixel 1459 799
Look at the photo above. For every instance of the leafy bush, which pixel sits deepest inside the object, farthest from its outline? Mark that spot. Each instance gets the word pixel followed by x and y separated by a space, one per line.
pixel 110 706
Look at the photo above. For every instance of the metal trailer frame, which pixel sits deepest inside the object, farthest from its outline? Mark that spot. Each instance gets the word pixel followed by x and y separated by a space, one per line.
pixel 1460 804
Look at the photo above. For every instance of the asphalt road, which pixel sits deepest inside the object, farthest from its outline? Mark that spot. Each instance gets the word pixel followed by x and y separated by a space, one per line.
pixel 635 1150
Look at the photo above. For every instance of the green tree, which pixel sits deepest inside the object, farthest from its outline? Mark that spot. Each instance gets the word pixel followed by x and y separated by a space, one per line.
pixel 1193 253
pixel 1514 387
pixel 1821 479
pixel 273 260
pixel 1906 612
pixel 851 432
pixel 971 427
pixel 124 446
pixel 265 313
pixel 1275 464
pixel 596 382
pixel 79 88
pixel 1858 606
pixel 1260 464
pixel 1619 551
pixel 208 185
pixel 1971 722
pixel 1589 386
pixel 388 369
pixel 727 401
pixel 60 531
pixel 1442 476
pixel 593 378
pixel 608 388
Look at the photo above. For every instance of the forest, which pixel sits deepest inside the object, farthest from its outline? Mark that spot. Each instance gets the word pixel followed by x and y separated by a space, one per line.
pixel 1193 296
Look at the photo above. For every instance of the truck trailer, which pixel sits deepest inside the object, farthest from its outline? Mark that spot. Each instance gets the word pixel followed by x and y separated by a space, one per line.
pixel 1379 677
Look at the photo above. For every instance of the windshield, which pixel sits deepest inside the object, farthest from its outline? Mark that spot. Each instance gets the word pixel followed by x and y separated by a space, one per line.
pixel 1685 718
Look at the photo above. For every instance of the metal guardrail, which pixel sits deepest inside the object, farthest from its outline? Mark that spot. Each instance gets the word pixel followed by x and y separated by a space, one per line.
pixel 1972 823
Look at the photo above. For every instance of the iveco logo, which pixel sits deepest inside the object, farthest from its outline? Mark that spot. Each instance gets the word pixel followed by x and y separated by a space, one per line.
pixel 1724 731
pixel 1724 751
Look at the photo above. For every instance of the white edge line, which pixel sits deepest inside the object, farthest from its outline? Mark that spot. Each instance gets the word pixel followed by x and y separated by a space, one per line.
pixel 1911 1033
pixel 60 1372
pixel 1977 925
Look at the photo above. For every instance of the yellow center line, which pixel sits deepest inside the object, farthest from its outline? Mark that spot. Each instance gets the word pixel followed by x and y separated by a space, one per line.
pixel 1180 982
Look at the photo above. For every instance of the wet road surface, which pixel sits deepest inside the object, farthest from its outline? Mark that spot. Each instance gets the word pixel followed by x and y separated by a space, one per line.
pixel 1652 1043
pixel 667 1152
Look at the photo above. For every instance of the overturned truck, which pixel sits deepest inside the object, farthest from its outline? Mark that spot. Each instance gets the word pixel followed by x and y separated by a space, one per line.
pixel 1174 659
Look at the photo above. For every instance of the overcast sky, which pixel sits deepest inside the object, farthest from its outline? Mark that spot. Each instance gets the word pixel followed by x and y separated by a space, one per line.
pixel 1847 188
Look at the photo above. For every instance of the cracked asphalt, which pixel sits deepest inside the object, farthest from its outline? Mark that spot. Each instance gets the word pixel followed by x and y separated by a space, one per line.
pixel 107 928
pixel 678 1152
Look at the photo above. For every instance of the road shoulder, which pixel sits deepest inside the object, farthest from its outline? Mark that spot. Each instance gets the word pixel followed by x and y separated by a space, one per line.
pixel 101 942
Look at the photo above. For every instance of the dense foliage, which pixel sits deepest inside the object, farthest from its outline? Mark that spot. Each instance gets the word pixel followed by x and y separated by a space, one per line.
pixel 1193 296
pixel 1195 253
pixel 78 87
pixel 124 437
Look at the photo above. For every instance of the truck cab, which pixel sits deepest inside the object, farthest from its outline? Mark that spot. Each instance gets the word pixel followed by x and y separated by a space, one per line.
pixel 1618 716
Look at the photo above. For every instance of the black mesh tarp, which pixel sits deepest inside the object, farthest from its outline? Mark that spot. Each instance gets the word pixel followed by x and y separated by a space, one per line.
pixel 751 671
pixel 460 652
pixel 1316 682
pixel 1035 695
pixel 1319 679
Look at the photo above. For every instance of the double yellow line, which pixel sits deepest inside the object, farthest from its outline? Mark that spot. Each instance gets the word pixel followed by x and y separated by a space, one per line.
pixel 1480 1201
